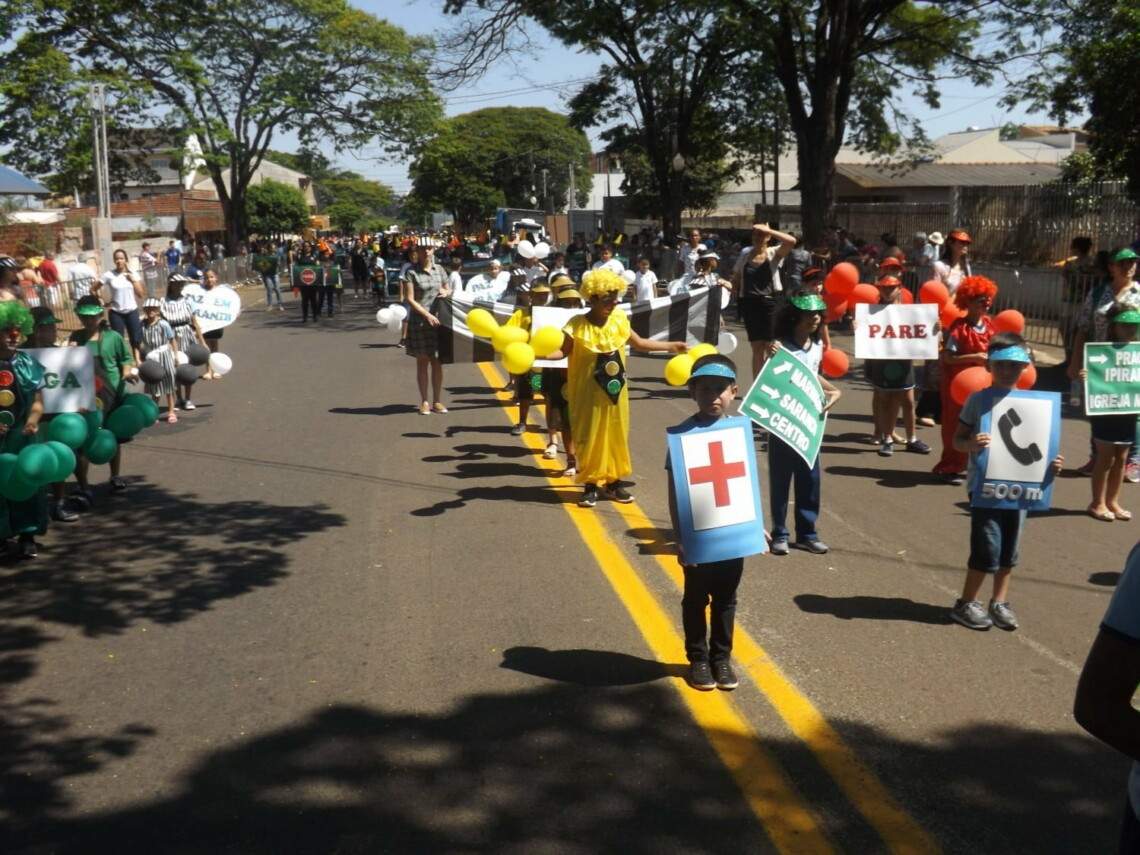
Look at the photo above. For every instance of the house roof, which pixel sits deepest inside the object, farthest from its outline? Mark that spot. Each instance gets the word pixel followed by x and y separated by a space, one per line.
pixel 12 183
pixel 947 174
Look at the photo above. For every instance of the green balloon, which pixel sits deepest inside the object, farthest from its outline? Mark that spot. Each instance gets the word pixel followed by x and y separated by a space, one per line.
pixel 36 464
pixel 17 489
pixel 64 458
pixel 94 419
pixel 125 422
pixel 15 440
pixel 68 428
pixel 7 467
pixel 101 447
pixel 145 404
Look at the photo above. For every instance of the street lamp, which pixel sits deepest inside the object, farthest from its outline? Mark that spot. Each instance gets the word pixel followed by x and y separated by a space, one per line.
pixel 678 164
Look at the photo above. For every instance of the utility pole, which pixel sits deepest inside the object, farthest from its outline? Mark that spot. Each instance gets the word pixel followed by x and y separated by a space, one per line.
pixel 570 204
pixel 101 226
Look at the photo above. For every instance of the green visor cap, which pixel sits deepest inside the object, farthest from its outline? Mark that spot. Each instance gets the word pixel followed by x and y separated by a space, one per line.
pixel 89 309
pixel 1125 255
pixel 1132 316
pixel 809 303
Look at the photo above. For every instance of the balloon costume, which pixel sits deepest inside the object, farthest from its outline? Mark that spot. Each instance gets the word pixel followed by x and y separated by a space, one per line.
pixel 21 376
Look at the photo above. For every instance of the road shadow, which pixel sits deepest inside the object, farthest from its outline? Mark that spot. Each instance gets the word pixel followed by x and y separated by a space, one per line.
pixel 894 478
pixel 386 410
pixel 651 541
pixel 873 608
pixel 587 667
pixel 1106 578
pixel 539 494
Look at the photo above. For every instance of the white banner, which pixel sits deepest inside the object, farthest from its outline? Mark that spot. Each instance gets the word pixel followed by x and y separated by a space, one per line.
pixel 219 307
pixel 896 331
pixel 551 316
pixel 69 378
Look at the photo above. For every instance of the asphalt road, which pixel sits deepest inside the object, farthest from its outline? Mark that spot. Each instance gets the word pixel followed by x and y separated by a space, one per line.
pixel 322 623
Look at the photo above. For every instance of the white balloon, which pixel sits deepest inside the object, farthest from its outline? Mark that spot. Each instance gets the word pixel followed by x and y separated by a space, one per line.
pixel 725 296
pixel 629 276
pixel 525 249
pixel 397 310
pixel 394 324
pixel 726 343
pixel 181 358
pixel 383 316
pixel 221 363
pixel 541 250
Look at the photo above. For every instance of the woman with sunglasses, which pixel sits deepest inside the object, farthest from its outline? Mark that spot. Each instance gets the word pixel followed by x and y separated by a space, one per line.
pixel 596 387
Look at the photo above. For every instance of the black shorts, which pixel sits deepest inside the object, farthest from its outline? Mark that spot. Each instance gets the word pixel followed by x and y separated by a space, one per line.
pixel 553 386
pixel 212 335
pixel 891 375
pixel 1114 429
pixel 759 314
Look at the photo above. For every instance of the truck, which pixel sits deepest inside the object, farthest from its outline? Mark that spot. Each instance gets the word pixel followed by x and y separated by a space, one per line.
pixel 509 220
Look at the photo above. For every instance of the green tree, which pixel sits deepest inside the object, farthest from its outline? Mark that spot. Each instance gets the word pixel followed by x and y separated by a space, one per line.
pixel 273 208
pixel 495 158
pixel 343 216
pixel 232 76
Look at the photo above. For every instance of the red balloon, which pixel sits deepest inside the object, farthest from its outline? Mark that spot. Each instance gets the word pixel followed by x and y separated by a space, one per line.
pixel 905 297
pixel 836 306
pixel 841 279
pixel 1028 376
pixel 864 293
pixel 1010 320
pixel 933 291
pixel 834 363
pixel 967 382
pixel 950 313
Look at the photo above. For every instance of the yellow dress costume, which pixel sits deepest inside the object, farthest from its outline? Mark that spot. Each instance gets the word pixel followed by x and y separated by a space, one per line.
pixel 600 427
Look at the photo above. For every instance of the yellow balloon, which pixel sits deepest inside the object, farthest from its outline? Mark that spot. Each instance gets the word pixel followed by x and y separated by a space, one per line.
pixel 678 369
pixel 547 340
pixel 482 323
pixel 503 336
pixel 518 357
pixel 703 349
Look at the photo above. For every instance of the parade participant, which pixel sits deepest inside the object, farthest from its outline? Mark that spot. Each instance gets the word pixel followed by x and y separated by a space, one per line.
pixel 160 345
pixel 115 367
pixel 953 266
pixel 606 260
pixel 566 296
pixel 644 284
pixel 689 253
pixel 757 282
pixel 596 386
pixel 1092 325
pixel 378 276
pixel 422 286
pixel 45 332
pixel 797 331
pixel 1113 434
pixel 712 586
pixel 266 265
pixel 122 291
pixel 524 383
pixel 196 270
pixel 210 282
pixel 965 345
pixel 893 383
pixel 488 287
pixel 23 378
pixel 811 282
pixel 557 266
pixel 176 311
pixel 995 533
pixel 310 293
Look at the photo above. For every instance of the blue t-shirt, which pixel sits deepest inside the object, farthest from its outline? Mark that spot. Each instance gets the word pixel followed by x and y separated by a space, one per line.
pixel 1123 621
pixel 173 256
pixel 697 421
pixel 971 415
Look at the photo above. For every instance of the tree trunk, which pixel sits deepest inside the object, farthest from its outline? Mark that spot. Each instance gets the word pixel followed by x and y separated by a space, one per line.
pixel 817 188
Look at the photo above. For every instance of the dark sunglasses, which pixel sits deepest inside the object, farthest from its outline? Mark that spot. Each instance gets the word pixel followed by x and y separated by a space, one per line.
pixel 611 298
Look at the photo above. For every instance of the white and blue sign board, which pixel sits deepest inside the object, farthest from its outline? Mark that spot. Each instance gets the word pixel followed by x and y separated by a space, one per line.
pixel 718 492
pixel 1015 471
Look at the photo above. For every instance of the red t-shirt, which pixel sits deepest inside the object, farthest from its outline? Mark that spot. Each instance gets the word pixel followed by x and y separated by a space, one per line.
pixel 963 339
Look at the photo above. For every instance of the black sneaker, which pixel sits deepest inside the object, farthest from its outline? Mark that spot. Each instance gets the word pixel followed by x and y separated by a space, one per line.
pixel 618 493
pixel 118 485
pixel 886 448
pixel 917 446
pixel 82 499
pixel 28 547
pixel 780 547
pixel 700 676
pixel 60 512
pixel 589 497
pixel 725 676
pixel 815 546
pixel 518 430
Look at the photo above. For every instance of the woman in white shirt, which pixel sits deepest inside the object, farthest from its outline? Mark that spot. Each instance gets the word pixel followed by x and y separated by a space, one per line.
pixel 121 290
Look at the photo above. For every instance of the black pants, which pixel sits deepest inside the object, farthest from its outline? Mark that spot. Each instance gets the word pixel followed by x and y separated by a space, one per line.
pixel 310 300
pixel 1129 831
pixel 716 582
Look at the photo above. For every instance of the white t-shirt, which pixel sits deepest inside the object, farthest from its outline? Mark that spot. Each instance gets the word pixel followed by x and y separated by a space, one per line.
pixel 454 281
pixel 645 285
pixel 80 277
pixel 689 257
pixel 122 291
pixel 1123 621
pixel 613 264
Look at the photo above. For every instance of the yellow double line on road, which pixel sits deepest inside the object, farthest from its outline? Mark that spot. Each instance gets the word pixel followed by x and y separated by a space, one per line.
pixel 789 823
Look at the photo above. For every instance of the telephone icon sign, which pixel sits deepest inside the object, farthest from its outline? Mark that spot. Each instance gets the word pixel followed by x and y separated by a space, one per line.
pixel 1025 455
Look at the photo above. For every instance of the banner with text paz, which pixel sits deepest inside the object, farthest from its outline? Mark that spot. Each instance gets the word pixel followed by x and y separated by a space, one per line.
pixel 787 400
pixel 1015 471
pixel 896 331
pixel 1112 385
pixel 69 378
pixel 214 309
pixel 713 467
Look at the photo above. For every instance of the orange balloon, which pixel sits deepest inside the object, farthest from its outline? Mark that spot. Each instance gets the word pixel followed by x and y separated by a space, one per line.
pixel 841 279
pixel 968 382
pixel 950 313
pixel 834 363
pixel 933 291
pixel 1010 320
pixel 864 293
pixel 905 296
pixel 1028 377
pixel 836 306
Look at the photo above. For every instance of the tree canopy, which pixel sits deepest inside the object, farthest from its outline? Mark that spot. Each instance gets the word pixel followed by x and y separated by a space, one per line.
pixel 233 76
pixel 273 208
pixel 495 158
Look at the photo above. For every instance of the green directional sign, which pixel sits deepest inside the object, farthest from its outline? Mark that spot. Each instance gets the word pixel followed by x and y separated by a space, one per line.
pixel 788 402
pixel 1112 385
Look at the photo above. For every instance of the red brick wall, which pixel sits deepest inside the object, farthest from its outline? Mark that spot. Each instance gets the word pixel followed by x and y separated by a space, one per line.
pixel 16 237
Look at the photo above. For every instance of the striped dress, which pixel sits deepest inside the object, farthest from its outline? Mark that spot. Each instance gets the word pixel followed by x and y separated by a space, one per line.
pixel 177 313
pixel 156 343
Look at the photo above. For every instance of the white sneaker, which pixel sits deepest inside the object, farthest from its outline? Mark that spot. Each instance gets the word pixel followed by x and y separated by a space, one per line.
pixel 189 405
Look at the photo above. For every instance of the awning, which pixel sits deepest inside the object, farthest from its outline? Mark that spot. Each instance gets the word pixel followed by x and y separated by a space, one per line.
pixel 12 183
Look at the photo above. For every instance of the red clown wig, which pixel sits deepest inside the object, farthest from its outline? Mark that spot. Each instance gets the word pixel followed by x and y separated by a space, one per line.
pixel 974 286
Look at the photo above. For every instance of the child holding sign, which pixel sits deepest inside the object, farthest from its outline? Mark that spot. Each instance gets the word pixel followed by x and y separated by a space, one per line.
pixel 893 382
pixel 995 533
pixel 1113 434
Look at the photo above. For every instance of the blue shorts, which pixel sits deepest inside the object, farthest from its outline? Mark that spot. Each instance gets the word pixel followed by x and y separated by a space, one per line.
pixel 995 537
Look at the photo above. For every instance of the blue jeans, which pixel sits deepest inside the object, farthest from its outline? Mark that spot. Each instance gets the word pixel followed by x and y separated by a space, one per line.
pixel 995 538
pixel 785 467
pixel 272 286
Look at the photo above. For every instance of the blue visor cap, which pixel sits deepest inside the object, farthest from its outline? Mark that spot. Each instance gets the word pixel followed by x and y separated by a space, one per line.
pixel 713 369
pixel 1009 354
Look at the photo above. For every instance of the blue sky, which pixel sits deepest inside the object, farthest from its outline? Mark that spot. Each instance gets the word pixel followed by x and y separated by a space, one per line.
pixel 963 104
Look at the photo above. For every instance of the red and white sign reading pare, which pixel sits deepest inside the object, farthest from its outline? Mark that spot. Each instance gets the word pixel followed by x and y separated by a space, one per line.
pixel 896 331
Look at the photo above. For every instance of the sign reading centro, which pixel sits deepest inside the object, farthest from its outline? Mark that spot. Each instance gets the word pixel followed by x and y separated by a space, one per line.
pixel 788 401
pixel 219 307
pixel 1112 382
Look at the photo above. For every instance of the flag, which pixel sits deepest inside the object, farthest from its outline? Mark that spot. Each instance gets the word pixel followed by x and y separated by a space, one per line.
pixel 692 317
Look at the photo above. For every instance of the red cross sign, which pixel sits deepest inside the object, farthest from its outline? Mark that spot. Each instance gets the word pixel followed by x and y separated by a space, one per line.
pixel 718 472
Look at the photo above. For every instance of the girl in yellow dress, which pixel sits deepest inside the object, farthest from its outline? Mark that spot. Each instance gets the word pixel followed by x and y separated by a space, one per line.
pixel 596 387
